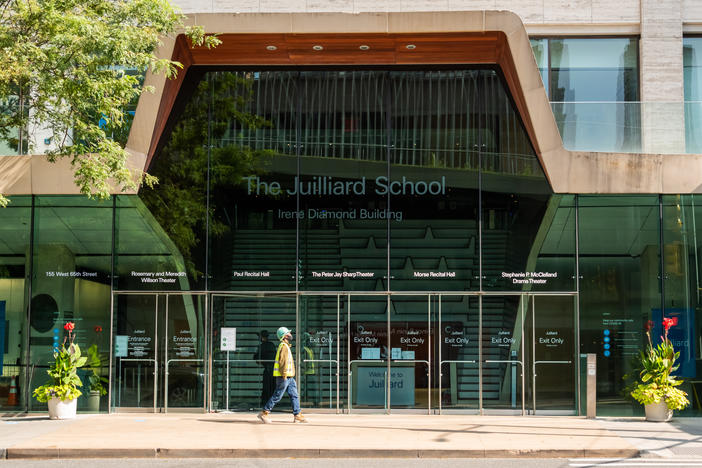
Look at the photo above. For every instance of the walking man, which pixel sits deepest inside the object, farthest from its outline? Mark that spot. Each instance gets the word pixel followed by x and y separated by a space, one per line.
pixel 284 373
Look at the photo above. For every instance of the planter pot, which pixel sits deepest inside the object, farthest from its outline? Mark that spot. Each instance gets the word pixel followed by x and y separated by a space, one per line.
pixel 59 409
pixel 94 402
pixel 658 412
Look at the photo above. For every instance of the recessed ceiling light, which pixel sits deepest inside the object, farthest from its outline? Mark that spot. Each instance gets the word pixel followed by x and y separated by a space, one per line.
pixel 364 47
pixel 317 47
pixel 271 47
pixel 411 46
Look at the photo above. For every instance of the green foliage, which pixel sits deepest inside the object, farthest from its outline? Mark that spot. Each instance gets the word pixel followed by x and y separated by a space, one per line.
pixel 64 380
pixel 179 203
pixel 657 382
pixel 674 398
pixel 65 60
pixel 94 364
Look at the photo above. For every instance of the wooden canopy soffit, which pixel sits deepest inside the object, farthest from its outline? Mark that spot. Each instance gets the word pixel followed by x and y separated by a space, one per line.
pixel 468 48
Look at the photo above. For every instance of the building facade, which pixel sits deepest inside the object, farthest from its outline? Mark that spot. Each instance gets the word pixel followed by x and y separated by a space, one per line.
pixel 449 204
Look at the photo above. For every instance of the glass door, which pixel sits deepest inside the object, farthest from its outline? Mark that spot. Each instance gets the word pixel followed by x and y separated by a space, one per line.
pixel 502 354
pixel 244 346
pixel 158 357
pixel 457 352
pixel 410 352
pixel 551 353
pixel 322 330
pixel 368 355
pixel 135 352
pixel 183 355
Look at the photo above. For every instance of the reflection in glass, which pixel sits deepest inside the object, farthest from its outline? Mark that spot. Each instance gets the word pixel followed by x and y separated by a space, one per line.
pixel 692 81
pixel 592 84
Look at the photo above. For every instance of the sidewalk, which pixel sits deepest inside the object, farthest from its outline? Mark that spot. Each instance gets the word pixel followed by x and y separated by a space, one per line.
pixel 241 435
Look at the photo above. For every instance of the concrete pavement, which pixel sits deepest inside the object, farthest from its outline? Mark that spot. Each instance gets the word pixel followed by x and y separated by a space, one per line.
pixel 241 435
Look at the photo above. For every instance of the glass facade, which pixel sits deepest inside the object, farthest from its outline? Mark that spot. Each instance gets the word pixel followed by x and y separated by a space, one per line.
pixel 593 86
pixel 397 220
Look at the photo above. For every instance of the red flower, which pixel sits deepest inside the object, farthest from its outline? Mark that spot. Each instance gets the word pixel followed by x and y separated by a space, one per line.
pixel 667 323
pixel 98 328
pixel 69 326
pixel 649 325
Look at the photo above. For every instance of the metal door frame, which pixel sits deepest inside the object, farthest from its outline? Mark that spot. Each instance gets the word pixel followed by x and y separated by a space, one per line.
pixel 294 295
pixel 156 362
pixel 574 360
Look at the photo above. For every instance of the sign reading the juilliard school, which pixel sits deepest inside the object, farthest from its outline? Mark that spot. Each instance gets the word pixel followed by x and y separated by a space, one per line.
pixel 323 185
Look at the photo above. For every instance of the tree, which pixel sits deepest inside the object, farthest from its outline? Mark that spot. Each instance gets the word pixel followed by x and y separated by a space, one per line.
pixel 200 142
pixel 62 69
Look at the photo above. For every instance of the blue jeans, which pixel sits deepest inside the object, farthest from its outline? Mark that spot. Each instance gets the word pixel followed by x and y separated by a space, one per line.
pixel 281 385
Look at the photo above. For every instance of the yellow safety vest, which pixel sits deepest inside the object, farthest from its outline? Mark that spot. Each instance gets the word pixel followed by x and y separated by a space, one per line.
pixel 290 368
pixel 309 365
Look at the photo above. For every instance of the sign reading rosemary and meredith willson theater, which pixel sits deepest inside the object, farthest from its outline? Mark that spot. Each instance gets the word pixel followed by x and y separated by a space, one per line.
pixel 324 185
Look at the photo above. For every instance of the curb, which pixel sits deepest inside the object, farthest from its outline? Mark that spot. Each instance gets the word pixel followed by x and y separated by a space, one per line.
pixel 72 453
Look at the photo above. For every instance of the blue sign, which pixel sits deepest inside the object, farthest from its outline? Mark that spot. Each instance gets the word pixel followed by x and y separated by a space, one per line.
pixel 681 334
pixel 2 334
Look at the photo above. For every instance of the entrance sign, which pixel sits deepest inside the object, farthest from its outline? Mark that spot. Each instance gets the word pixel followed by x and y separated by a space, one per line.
pixel 370 385
pixel 121 345
pixel 227 339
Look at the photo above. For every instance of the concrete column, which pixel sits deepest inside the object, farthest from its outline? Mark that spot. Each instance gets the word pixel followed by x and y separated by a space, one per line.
pixel 661 74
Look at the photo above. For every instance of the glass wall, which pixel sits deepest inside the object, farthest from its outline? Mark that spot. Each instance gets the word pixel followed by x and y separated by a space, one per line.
pixel 692 79
pixel 71 270
pixel 397 220
pixel 593 87
pixel 15 258
pixel 619 254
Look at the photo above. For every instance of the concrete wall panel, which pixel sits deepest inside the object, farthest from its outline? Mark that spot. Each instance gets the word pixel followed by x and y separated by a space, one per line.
pixel 692 11
pixel 235 6
pixel 530 11
pixel 576 11
pixel 290 6
pixel 343 6
pixel 620 11
pixel 468 5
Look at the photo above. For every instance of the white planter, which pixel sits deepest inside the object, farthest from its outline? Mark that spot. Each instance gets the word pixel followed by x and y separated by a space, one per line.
pixel 59 409
pixel 94 402
pixel 658 412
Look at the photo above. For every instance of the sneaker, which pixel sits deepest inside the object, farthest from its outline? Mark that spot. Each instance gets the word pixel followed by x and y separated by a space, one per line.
pixel 299 418
pixel 265 417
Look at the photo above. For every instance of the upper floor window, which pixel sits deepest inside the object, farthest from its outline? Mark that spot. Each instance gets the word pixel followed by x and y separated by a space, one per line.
pixel 593 86
pixel 692 78
pixel 588 69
